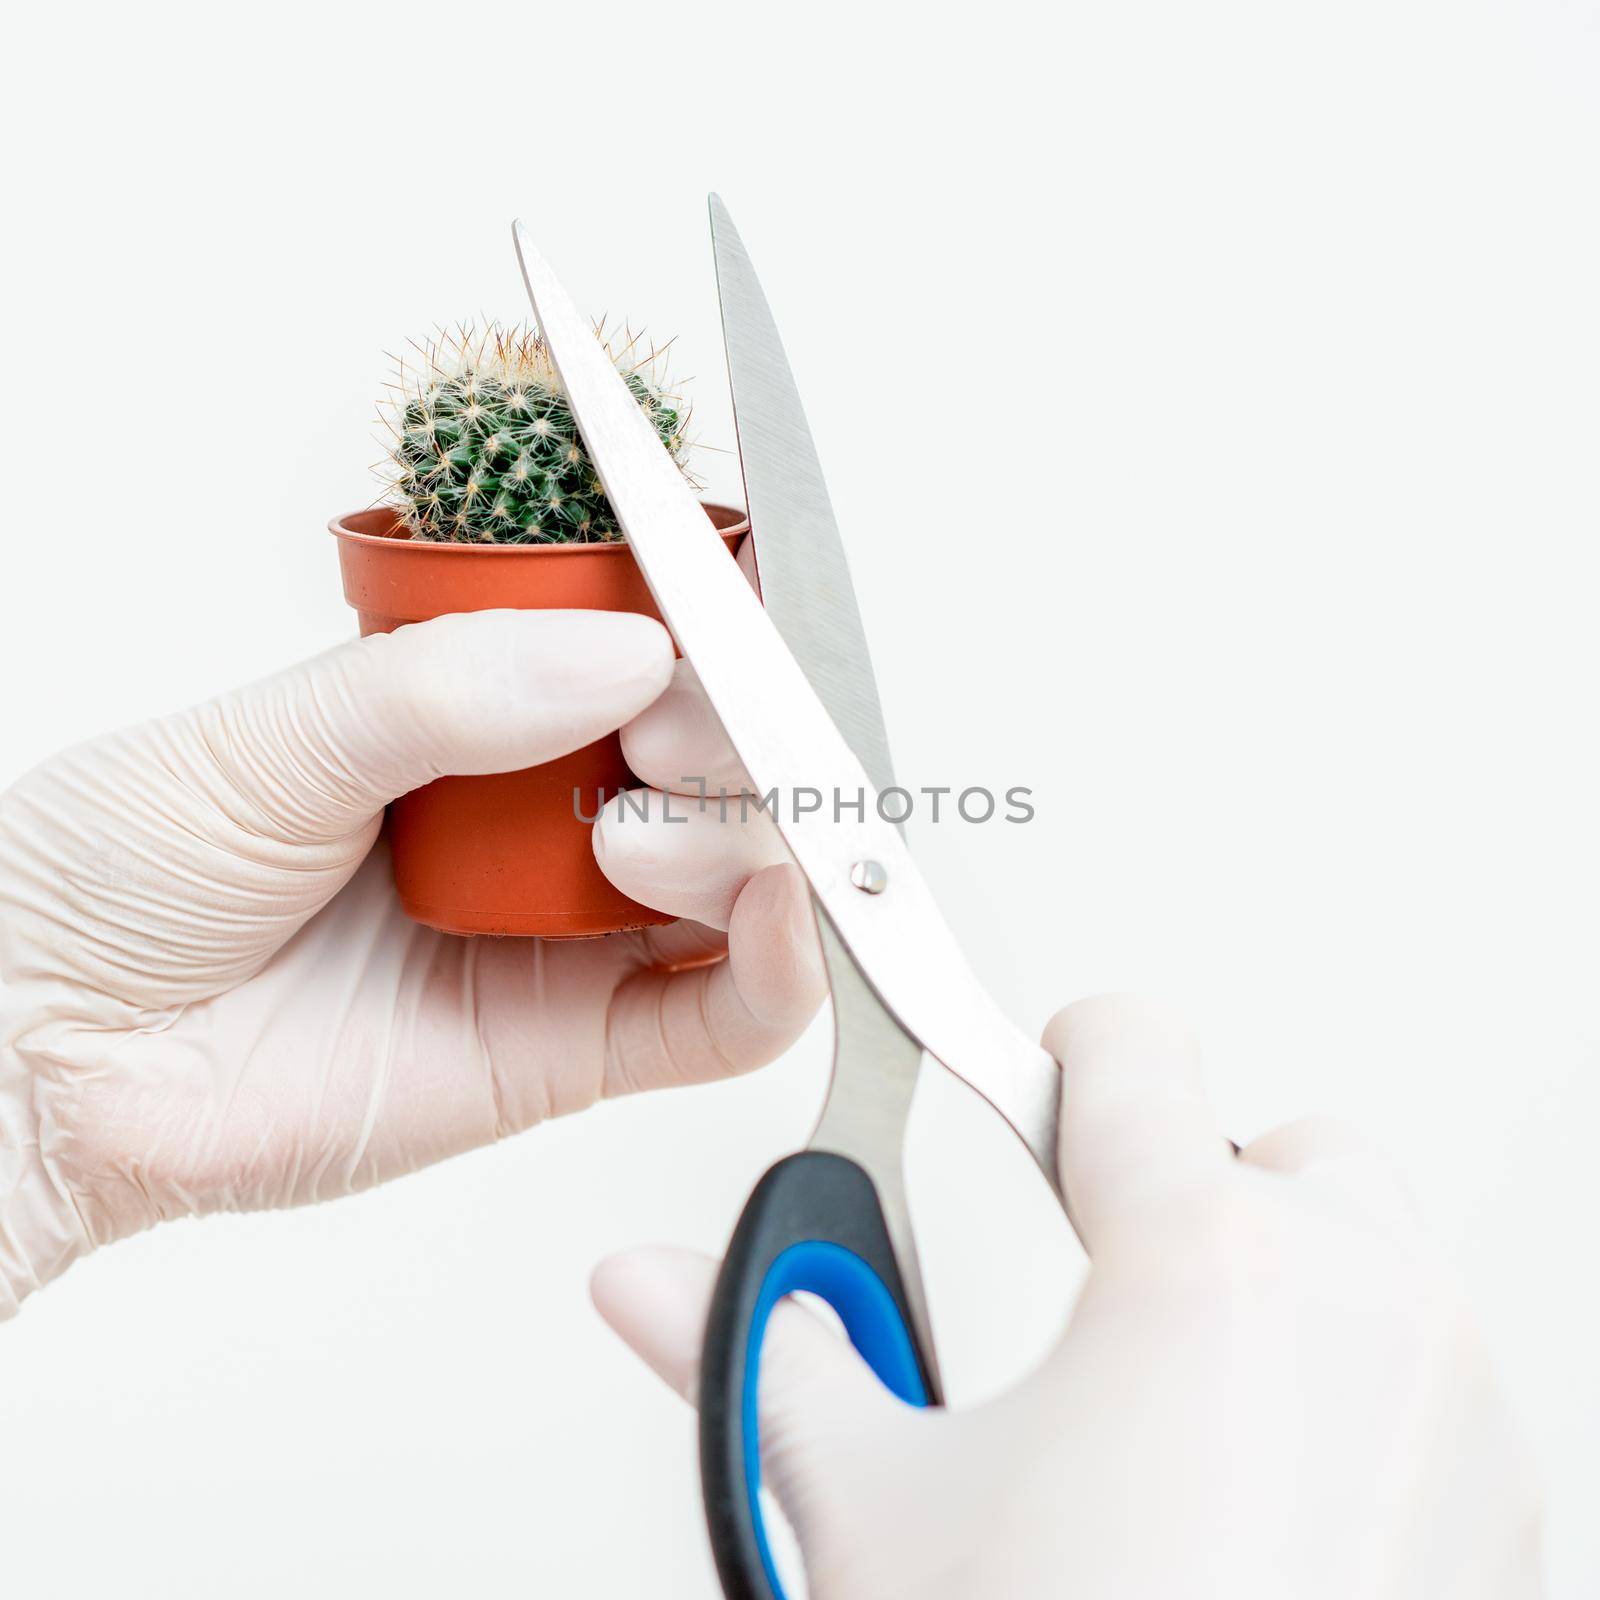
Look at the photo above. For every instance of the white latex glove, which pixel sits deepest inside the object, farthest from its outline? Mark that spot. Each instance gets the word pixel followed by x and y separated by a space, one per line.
pixel 210 998
pixel 1270 1388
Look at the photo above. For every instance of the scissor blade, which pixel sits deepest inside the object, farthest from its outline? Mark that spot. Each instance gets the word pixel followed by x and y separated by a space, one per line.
pixel 789 746
pixel 805 579
pixel 806 588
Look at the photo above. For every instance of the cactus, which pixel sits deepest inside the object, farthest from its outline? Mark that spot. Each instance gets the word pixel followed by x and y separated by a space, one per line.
pixel 483 445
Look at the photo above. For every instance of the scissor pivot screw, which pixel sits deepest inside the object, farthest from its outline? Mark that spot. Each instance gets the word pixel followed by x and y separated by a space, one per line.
pixel 869 877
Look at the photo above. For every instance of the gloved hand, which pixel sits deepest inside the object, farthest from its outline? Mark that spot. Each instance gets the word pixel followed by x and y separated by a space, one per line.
pixel 211 1000
pixel 1270 1388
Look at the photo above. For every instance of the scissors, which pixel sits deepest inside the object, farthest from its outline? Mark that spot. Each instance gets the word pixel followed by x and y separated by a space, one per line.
pixel 790 677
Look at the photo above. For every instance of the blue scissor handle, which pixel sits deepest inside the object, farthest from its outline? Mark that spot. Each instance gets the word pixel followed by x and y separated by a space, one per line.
pixel 814 1224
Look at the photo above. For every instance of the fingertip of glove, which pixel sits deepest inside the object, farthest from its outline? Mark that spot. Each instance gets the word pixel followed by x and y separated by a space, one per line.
pixel 649 1285
pixel 620 648
pixel 773 943
pixel 1118 1024
pixel 643 1272
pixel 654 1299
pixel 609 1289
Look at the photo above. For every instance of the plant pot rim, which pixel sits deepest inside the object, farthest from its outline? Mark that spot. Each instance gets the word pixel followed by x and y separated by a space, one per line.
pixel 729 521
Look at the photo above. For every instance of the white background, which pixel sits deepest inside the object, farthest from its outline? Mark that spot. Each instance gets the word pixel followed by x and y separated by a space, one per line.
pixel 1209 393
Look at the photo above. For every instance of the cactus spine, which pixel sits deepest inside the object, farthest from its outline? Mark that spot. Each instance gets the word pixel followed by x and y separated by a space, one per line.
pixel 483 445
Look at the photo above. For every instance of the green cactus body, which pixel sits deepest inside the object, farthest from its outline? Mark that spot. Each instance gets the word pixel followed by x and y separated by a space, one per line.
pixel 484 449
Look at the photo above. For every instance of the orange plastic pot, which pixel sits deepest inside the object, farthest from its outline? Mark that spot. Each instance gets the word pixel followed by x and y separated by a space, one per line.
pixel 508 853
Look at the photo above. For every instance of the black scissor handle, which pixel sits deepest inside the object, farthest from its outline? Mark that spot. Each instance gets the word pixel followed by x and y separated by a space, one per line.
pixel 814 1223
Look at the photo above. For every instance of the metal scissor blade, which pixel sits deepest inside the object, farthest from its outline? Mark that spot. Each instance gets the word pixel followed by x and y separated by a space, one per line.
pixel 805 579
pixel 876 1066
pixel 790 747
pixel 806 588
